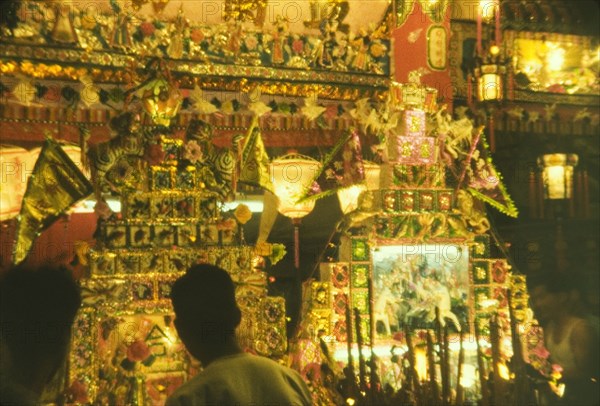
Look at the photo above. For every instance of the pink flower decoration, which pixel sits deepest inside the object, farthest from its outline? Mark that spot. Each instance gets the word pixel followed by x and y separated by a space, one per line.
pixel 138 351
pixel 147 28
pixel 192 152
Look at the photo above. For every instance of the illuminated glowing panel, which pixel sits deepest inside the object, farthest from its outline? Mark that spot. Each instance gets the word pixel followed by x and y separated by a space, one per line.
pixel 292 175
pixel 348 197
pixel 557 174
pixel 487 9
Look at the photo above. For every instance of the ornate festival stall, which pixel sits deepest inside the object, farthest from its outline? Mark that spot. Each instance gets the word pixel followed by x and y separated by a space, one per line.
pixel 417 297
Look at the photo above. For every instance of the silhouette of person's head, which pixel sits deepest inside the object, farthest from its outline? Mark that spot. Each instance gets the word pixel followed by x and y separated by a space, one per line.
pixel 37 309
pixel 551 295
pixel 206 312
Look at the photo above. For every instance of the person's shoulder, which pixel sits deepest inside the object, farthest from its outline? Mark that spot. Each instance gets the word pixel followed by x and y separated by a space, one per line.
pixel 257 359
pixel 583 328
pixel 594 321
pixel 12 394
pixel 191 392
pixel 269 363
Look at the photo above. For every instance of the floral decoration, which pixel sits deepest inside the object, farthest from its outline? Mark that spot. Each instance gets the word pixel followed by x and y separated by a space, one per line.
pixel 137 352
pixel 193 152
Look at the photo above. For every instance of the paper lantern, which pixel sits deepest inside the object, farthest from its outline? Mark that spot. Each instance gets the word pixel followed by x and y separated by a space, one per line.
pixel 348 197
pixel 490 85
pixel 292 175
pixel 557 174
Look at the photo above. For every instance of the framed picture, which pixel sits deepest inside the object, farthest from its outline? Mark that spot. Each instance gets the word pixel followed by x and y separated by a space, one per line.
pixel 410 281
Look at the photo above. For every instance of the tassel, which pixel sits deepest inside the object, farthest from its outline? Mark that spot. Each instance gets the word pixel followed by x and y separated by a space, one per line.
pixel 470 90
pixel 586 195
pixel 541 196
pixel 492 133
pixel 578 192
pixel 532 195
pixel 479 32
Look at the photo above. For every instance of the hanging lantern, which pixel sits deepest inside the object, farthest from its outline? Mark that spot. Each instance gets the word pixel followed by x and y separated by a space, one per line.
pixel 490 86
pixel 292 175
pixel 490 64
pixel 557 174
pixel 348 197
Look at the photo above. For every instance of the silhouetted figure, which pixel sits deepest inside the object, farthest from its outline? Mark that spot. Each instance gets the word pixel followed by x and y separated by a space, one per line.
pixel 569 336
pixel 206 318
pixel 37 309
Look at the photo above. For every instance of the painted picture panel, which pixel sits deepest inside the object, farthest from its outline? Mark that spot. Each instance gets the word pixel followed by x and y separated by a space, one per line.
pixel 410 281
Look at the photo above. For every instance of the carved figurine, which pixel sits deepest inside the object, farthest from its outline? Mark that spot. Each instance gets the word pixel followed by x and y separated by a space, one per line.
pixel 279 41
pixel 63 30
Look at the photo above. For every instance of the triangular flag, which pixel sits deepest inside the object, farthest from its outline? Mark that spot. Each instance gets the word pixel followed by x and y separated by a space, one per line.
pixel 342 167
pixel 254 165
pixel 485 182
pixel 56 183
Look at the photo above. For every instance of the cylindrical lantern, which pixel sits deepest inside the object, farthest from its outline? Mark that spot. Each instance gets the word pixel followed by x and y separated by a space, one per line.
pixel 557 174
pixel 489 83
pixel 487 9
pixel 348 197
pixel 292 175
